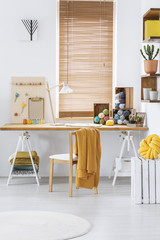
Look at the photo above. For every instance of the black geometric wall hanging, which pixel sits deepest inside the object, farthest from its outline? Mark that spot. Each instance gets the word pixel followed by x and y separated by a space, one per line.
pixel 31 27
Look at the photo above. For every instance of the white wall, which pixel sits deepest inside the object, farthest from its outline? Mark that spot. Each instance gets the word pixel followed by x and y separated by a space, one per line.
pixel 19 58
pixel 152 110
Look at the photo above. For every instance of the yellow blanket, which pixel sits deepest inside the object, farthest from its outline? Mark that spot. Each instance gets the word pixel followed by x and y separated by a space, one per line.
pixel 23 158
pixel 88 149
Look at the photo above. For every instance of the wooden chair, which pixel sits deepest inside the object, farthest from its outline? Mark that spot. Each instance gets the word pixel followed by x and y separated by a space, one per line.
pixel 70 159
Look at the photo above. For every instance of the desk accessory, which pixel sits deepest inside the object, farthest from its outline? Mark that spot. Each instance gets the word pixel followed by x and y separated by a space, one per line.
pixel 23 89
pixel 65 90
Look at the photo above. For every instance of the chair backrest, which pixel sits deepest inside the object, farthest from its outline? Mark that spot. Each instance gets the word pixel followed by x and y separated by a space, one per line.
pixel 71 134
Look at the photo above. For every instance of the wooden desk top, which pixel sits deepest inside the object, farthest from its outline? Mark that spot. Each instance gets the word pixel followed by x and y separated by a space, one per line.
pixel 50 127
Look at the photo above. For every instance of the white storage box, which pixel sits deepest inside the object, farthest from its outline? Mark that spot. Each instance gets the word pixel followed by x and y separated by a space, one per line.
pixel 145 180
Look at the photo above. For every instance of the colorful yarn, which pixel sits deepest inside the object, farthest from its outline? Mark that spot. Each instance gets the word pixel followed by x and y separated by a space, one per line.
pixel 120 112
pixel 117 96
pixel 122 105
pixel 96 119
pixel 125 121
pixel 110 123
pixel 122 117
pixel 101 121
pixel 117 105
pixel 101 115
pixel 106 112
pixel 106 118
pixel 116 117
pixel 150 147
pixel 119 121
pixel 126 113
pixel 115 121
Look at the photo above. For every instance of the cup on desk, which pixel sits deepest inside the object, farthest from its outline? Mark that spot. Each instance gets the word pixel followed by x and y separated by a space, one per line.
pixel 146 95
pixel 153 95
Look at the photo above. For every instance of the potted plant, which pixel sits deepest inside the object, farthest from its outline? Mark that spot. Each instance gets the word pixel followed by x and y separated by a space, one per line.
pixel 132 119
pixel 150 65
pixel 139 119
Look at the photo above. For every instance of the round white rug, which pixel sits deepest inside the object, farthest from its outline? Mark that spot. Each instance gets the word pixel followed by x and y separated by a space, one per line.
pixel 32 225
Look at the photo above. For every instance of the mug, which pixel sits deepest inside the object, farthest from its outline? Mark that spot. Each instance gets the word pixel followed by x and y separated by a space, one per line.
pixel 146 95
pixel 153 95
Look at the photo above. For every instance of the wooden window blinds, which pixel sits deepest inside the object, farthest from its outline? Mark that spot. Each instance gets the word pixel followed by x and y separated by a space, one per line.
pixel 85 55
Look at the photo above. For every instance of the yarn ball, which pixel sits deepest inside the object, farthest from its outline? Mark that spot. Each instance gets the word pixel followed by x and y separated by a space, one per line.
pixel 106 118
pixel 117 105
pixel 120 112
pixel 125 121
pixel 106 112
pixel 122 95
pixel 115 121
pixel 101 121
pixel 150 147
pixel 119 121
pixel 116 117
pixel 117 96
pixel 121 105
pixel 122 117
pixel 96 119
pixel 101 115
pixel 110 123
pixel 126 113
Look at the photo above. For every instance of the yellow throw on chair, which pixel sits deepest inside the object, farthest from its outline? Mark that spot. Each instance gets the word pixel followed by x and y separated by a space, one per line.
pixel 88 149
pixel 150 147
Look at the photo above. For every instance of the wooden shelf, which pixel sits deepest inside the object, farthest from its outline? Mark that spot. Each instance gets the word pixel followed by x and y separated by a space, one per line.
pixel 122 108
pixel 152 39
pixel 150 101
pixel 151 75
pixel 151 14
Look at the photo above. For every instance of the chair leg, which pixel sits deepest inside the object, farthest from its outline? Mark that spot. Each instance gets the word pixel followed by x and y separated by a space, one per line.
pixel 95 190
pixel 70 179
pixel 51 175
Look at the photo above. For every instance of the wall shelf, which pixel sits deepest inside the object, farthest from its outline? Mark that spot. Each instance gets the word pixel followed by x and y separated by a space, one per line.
pixel 151 14
pixel 149 81
pixel 150 101
pixel 152 39
pixel 151 75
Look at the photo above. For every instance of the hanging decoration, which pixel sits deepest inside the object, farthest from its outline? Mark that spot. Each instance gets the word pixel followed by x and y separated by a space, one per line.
pixel 31 27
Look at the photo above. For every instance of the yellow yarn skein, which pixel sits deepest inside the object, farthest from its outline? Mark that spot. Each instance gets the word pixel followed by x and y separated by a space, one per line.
pixel 150 147
pixel 110 123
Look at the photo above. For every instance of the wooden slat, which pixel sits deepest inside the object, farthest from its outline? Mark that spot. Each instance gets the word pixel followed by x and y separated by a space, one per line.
pixel 85 55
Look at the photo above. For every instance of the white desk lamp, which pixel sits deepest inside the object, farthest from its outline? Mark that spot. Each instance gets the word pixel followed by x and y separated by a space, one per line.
pixel 65 89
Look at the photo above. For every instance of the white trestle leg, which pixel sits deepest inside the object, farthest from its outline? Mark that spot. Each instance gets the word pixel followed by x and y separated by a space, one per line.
pixel 24 140
pixel 128 138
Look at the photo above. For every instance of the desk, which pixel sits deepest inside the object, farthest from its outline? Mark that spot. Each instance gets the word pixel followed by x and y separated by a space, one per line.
pixel 49 127
pixel 24 138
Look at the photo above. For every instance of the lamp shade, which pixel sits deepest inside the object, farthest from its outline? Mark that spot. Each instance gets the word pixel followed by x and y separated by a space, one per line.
pixel 65 89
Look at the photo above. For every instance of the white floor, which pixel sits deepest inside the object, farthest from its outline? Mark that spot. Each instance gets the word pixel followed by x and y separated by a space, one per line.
pixel 111 212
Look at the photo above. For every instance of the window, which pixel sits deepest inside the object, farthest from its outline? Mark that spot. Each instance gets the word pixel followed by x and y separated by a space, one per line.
pixel 85 55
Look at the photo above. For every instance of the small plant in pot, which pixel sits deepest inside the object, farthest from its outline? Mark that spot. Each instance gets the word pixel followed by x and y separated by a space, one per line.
pixel 132 119
pixel 139 119
pixel 150 64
